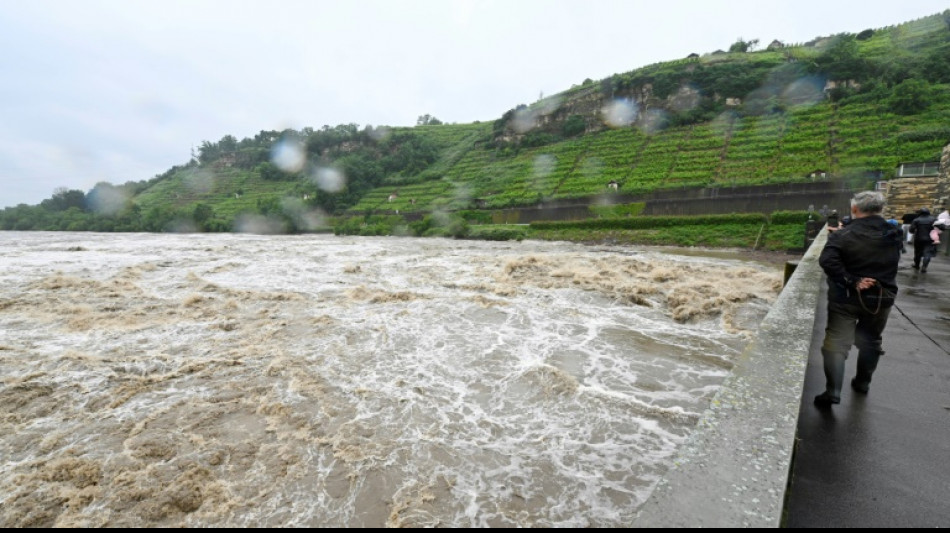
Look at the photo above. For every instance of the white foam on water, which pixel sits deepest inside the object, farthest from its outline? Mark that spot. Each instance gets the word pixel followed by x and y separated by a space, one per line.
pixel 307 381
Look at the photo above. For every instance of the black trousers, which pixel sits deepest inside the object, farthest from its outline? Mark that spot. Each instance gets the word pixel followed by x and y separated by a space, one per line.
pixel 852 324
pixel 922 253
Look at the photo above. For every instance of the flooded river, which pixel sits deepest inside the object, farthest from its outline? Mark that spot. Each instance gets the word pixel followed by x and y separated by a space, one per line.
pixel 321 381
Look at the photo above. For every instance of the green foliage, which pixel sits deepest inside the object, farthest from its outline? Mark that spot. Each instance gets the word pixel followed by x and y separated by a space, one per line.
pixel 440 225
pixel 653 222
pixel 202 214
pixel 369 226
pixel 843 60
pixel 574 125
pixel 428 120
pixel 940 134
pixel 911 97
pixel 936 66
pixel 721 235
pixel 742 46
pixel 538 138
pixel 476 217
pixel 270 172
pixel 718 232
pixel 791 217
pixel 498 233
pixel 64 199
pixel 619 210
pixel 781 237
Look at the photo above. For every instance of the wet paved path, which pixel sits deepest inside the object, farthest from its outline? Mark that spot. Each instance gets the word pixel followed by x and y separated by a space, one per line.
pixel 882 460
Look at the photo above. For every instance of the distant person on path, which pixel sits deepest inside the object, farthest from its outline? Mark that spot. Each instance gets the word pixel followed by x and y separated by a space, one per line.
pixel 905 225
pixel 860 261
pixel 900 228
pixel 943 224
pixel 924 247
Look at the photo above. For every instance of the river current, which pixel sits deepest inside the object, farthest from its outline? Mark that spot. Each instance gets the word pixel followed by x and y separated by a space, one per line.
pixel 234 380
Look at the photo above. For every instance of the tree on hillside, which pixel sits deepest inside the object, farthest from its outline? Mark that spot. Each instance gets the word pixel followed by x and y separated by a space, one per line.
pixel 207 152
pixel 428 120
pixel 228 143
pixel 936 66
pixel 744 46
pixel 843 60
pixel 63 199
pixel 911 97
pixel 202 214
pixel 574 125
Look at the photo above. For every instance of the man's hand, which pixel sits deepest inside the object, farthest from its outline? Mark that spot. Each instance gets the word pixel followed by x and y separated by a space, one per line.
pixel 865 283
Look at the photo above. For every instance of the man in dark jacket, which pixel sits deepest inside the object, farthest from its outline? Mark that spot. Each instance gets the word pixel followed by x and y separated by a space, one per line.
pixel 860 262
pixel 924 249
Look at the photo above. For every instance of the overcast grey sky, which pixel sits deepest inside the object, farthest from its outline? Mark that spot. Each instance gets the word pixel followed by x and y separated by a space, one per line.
pixel 116 91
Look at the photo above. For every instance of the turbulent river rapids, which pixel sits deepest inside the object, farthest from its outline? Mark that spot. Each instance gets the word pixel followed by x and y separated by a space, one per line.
pixel 320 381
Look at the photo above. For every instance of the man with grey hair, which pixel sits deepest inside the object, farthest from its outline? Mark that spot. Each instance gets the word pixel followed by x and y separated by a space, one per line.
pixel 860 262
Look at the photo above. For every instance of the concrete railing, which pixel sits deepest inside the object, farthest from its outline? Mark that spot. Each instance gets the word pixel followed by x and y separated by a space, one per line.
pixel 734 468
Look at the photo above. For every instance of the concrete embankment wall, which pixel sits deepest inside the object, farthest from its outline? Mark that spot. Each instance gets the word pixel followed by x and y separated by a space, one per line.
pixel 734 468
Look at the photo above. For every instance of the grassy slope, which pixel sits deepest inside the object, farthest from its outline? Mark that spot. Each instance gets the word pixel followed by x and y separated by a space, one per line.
pixel 735 151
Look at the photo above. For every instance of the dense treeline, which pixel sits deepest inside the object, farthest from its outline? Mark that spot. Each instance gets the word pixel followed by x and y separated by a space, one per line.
pixel 303 162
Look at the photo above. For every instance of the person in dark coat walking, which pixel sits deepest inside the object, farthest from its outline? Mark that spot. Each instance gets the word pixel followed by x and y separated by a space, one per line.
pixel 924 247
pixel 860 262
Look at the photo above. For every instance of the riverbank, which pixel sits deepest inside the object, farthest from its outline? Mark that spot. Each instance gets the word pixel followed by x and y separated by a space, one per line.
pixel 772 257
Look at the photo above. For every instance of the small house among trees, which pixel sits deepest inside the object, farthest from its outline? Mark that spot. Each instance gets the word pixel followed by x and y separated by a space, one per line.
pixel 818 173
pixel 613 185
pixel 775 45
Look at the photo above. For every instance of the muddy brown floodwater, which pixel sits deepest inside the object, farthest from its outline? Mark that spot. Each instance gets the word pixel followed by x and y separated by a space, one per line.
pixel 319 381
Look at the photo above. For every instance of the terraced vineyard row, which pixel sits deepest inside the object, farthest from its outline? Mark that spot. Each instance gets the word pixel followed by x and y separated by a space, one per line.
pixel 734 150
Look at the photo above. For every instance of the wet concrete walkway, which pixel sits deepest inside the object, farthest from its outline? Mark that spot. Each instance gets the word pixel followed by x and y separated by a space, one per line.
pixel 882 460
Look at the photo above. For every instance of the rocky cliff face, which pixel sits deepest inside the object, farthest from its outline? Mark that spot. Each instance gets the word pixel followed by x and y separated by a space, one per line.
pixel 599 111
pixel 943 181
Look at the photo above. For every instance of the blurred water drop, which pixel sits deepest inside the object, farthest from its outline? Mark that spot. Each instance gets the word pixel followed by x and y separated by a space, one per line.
pixel 685 99
pixel 804 92
pixel 380 133
pixel 199 181
pixel 462 194
pixel 725 123
pixel 182 226
pixel 328 179
pixel 259 224
pixel 524 120
pixel 592 167
pixel 108 201
pixel 620 113
pixel 289 155
pixel 304 217
pixel 544 165
pixel 550 105
pixel 653 121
